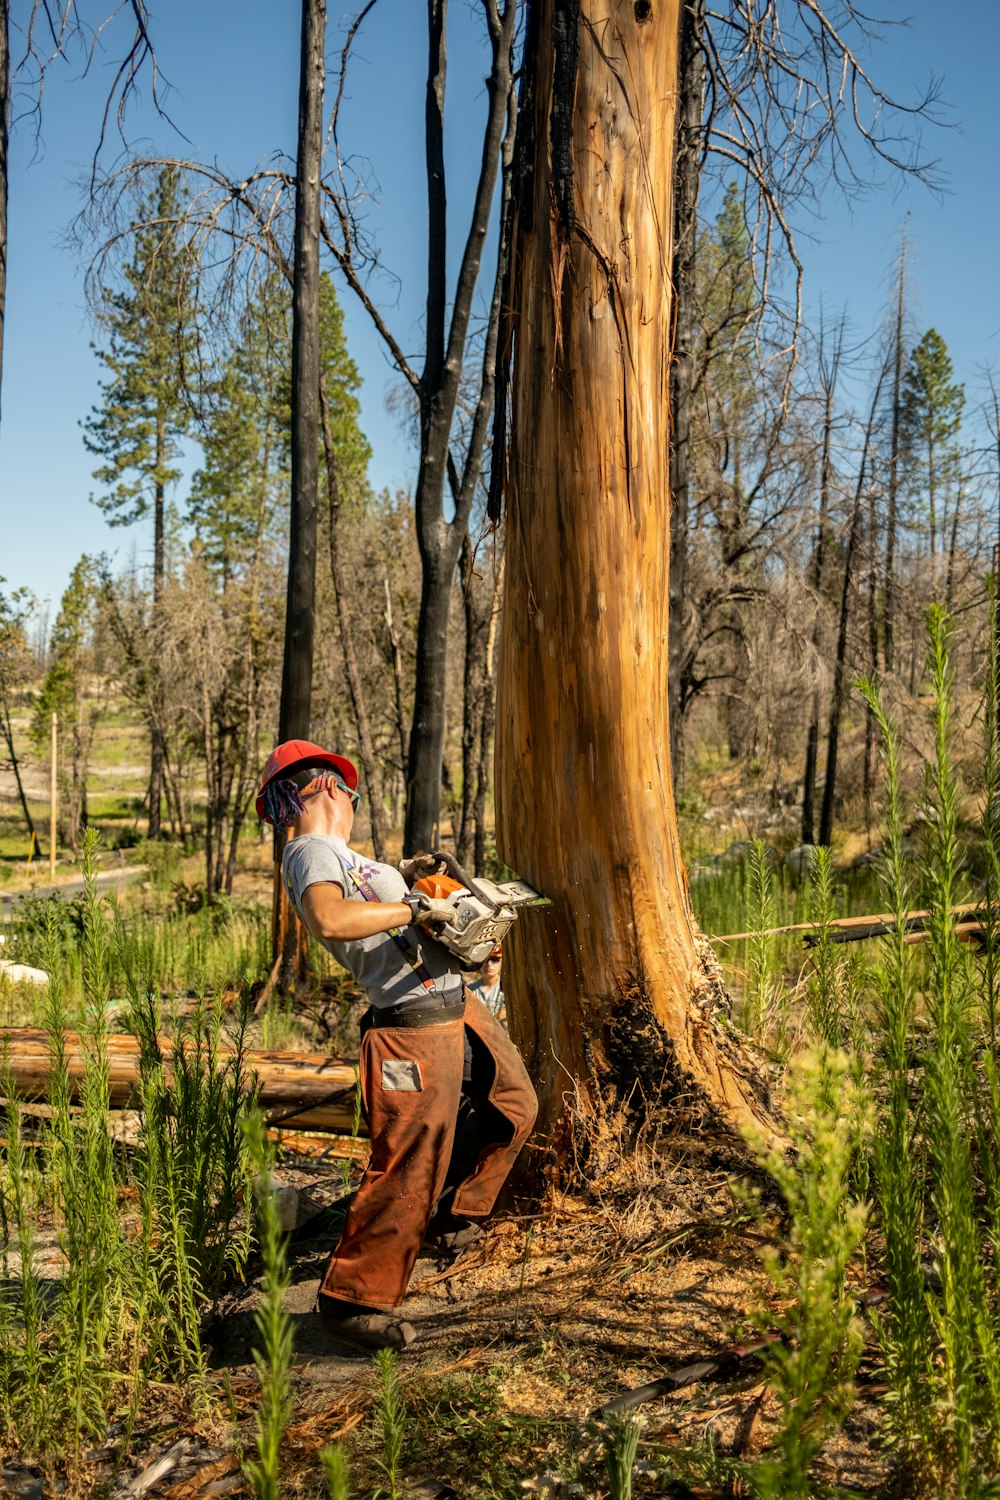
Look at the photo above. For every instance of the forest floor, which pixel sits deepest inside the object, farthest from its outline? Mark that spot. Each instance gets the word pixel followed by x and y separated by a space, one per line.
pixel 519 1341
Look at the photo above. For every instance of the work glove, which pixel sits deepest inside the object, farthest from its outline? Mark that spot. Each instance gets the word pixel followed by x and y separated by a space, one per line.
pixel 416 866
pixel 428 911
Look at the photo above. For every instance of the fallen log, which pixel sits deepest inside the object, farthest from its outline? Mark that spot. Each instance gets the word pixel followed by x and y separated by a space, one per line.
pixel 310 1092
pixel 878 925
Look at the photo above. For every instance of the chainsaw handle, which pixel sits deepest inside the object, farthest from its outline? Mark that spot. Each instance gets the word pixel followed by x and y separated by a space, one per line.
pixel 463 877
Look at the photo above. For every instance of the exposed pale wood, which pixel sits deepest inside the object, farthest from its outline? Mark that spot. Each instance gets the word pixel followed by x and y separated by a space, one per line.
pixel 866 921
pixel 613 987
pixel 339 1148
pixel 313 1092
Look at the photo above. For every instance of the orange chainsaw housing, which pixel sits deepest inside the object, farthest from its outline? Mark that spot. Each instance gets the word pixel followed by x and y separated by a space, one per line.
pixel 439 887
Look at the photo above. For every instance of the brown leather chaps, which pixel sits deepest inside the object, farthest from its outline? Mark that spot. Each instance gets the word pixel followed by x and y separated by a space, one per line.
pixel 438 1142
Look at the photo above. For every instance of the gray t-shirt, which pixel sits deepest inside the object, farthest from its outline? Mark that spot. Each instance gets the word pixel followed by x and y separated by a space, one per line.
pixel 380 968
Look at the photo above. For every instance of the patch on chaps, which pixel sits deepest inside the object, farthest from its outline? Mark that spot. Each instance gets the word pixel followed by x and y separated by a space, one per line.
pixel 401 1076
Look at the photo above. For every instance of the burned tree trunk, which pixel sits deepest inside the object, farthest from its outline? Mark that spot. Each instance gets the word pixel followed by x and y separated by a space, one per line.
pixel 288 939
pixel 613 991
pixel 838 695
pixel 687 180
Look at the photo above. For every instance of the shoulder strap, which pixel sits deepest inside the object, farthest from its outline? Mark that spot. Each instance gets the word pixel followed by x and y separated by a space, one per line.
pixel 412 957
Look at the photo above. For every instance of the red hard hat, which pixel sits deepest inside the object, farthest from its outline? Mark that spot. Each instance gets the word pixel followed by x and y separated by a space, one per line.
pixel 291 756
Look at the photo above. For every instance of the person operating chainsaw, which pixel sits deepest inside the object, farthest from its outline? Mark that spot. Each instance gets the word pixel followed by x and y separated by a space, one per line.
pixel 448 1100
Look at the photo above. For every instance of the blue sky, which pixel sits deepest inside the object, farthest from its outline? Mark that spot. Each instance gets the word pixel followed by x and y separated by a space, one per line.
pixel 233 67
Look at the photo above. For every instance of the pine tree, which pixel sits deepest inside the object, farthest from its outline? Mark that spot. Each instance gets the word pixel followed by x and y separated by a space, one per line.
pixel 243 434
pixel 149 329
pixel 933 403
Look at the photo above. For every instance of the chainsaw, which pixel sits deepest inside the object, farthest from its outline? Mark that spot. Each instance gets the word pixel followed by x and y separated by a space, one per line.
pixel 484 911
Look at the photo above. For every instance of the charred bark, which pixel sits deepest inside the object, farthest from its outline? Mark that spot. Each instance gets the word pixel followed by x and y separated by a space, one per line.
pixel 300 612
pixel 840 669
pixel 687 180
pixel 480 603
pixel 830 374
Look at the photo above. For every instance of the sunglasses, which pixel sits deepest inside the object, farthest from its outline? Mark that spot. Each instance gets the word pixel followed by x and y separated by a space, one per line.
pixel 354 796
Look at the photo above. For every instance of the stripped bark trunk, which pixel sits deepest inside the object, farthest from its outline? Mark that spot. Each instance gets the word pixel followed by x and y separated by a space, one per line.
pixel 355 687
pixel 614 990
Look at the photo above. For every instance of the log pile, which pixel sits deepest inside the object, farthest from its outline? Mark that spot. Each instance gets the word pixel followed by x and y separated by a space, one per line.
pixel 309 1092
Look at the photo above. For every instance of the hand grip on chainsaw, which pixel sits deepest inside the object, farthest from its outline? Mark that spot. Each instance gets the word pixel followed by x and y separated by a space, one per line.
pixel 419 864
pixel 430 910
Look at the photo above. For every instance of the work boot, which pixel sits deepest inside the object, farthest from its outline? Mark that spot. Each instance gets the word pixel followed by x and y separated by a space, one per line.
pixel 365 1329
pixel 448 1233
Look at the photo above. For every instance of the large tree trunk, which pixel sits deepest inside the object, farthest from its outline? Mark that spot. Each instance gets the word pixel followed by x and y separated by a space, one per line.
pixel 613 987
pixel 294 715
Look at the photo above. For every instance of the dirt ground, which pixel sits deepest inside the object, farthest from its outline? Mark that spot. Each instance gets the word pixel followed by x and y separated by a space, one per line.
pixel 519 1340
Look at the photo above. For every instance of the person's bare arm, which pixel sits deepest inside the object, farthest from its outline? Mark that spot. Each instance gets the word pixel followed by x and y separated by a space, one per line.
pixel 332 919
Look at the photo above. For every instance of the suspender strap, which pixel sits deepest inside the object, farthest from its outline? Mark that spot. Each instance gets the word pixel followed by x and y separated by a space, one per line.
pixel 420 970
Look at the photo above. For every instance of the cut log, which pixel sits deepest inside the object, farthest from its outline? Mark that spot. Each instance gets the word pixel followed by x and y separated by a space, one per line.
pixel 311 1092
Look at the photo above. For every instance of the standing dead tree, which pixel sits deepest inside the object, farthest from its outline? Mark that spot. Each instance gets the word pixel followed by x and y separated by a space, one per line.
pixel 778 98
pixel 238 229
pixel 614 994
pixel 840 666
pixel 288 938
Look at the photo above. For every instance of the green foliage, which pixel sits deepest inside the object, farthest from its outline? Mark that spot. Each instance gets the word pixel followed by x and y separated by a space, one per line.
pixel 71 691
pixel 933 403
pixel 127 1307
pixel 336 1471
pixel 620 1448
pixel 273 1355
pixel 235 493
pixel 390 1411
pixel 812 1361
pixel 825 989
pixel 149 354
pixel 936 1142
pixel 762 991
